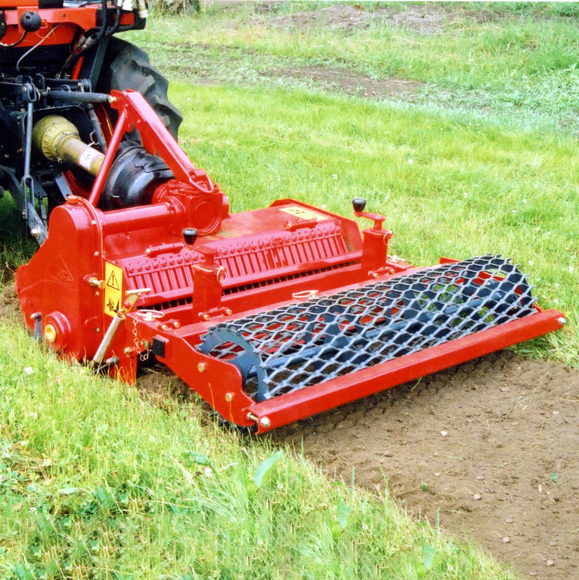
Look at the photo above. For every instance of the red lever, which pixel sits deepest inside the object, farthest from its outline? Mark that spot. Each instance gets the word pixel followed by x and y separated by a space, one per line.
pixel 375 217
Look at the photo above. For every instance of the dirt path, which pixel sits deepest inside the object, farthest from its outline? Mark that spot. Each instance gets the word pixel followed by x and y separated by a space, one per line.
pixel 420 18
pixel 489 450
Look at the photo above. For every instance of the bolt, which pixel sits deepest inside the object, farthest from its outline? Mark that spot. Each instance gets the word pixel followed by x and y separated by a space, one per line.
pixel 96 254
pixel 228 311
pixel 206 317
pixel 164 327
pixel 93 223
pixel 201 367
pixel 265 422
pixel 97 293
pixel 176 324
pixel 229 397
pixel 127 350
pixel 561 321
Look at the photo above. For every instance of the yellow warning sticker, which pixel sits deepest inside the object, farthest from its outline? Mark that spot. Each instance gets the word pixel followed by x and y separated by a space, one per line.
pixel 113 288
pixel 304 214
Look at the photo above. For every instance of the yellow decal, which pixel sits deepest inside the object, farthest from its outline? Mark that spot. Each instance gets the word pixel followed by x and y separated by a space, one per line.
pixel 113 289
pixel 304 214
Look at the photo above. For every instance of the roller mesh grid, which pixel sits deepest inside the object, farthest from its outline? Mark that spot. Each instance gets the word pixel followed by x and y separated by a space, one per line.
pixel 310 342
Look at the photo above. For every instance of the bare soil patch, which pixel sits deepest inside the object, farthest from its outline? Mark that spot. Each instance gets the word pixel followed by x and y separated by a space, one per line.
pixel 488 450
pixel 9 307
pixel 157 384
pixel 427 18
pixel 351 82
pixel 200 65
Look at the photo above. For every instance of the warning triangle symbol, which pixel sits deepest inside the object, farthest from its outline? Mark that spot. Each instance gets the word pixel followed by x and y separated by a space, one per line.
pixel 112 281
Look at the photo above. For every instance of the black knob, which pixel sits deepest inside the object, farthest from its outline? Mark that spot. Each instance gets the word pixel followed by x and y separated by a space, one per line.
pixel 359 204
pixel 31 21
pixel 190 235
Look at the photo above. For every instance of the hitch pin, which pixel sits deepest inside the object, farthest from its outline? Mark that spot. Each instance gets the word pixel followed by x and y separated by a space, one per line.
pixel 132 297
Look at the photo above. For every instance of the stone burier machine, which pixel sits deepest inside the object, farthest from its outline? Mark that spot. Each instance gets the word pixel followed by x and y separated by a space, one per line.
pixel 271 315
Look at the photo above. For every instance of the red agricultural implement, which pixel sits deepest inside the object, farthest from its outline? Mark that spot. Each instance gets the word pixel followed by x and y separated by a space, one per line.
pixel 271 315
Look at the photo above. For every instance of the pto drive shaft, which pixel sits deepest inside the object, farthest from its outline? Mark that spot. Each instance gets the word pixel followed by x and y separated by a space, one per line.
pixel 59 140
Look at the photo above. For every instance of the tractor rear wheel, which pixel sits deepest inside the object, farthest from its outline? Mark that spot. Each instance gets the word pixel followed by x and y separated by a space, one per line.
pixel 127 67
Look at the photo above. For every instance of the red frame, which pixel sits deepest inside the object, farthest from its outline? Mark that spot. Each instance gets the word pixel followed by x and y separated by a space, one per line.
pixel 220 384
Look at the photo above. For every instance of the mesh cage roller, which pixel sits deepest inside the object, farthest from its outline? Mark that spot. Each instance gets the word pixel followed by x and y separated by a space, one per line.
pixel 303 344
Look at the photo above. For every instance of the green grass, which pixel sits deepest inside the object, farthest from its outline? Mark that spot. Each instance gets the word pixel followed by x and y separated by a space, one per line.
pixel 515 64
pixel 450 187
pixel 15 247
pixel 97 484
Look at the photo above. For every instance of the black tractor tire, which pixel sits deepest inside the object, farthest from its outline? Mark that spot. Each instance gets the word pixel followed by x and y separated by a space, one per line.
pixel 127 67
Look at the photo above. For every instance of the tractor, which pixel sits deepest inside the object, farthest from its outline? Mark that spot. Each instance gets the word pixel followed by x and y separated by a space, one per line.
pixel 270 315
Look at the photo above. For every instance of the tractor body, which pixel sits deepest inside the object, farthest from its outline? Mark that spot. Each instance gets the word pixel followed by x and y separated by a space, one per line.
pixel 271 315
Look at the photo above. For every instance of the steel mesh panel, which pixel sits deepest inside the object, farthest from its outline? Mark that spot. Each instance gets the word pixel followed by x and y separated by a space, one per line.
pixel 307 343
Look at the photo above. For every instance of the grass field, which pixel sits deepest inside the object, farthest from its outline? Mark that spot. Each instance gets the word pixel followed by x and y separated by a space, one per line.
pixel 97 483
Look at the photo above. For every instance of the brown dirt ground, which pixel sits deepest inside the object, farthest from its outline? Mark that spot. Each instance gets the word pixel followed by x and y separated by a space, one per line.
pixel 9 308
pixel 488 450
pixel 426 18
pixel 351 82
